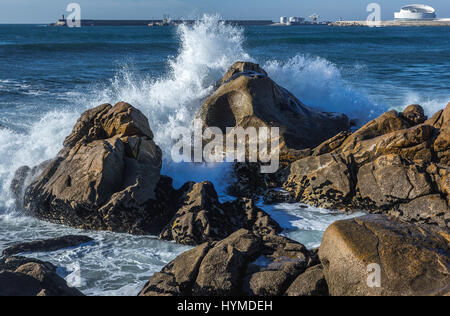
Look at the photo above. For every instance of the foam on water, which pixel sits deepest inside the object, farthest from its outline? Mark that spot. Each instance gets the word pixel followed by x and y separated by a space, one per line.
pixel 114 264
pixel 319 83
pixel 41 143
pixel 304 223
pixel 120 264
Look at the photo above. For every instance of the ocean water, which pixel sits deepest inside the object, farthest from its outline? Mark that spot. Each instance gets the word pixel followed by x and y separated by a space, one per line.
pixel 49 76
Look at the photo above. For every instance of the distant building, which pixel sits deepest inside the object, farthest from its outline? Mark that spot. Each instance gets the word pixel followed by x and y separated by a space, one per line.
pixel 284 20
pixel 296 19
pixel 416 12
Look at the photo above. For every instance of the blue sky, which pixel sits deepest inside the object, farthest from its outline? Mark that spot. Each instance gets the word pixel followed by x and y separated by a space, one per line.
pixel 45 11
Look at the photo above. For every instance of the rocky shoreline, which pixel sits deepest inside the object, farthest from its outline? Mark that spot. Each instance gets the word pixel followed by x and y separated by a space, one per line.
pixel 396 167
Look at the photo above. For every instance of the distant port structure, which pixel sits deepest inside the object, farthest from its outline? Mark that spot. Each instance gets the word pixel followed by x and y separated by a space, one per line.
pixel 166 21
pixel 296 20
pixel 415 12
pixel 409 15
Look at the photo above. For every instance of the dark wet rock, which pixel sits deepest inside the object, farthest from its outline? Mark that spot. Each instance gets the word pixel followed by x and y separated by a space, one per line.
pixel 413 259
pixel 242 264
pixel 310 283
pixel 250 182
pixel 202 218
pixel 278 196
pixel 178 277
pixel 30 277
pixel 245 68
pixel 47 245
pixel 247 97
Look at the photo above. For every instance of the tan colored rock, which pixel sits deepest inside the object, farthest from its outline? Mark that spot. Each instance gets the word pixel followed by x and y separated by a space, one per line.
pixel 248 97
pixel 178 277
pixel 388 181
pixel 413 260
pixel 21 276
pixel 104 176
pixel 414 114
pixel 310 283
pixel 412 144
pixel 321 180
pixel 393 164
pixel 220 272
pixel 440 118
pixel 432 209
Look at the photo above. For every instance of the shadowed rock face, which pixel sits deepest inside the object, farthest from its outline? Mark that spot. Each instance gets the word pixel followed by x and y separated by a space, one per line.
pixel 242 264
pixel 103 177
pixel 201 217
pixel 397 164
pixel 30 277
pixel 47 245
pixel 414 259
pixel 248 97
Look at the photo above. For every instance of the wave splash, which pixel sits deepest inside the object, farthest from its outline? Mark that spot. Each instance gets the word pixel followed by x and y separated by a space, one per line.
pixel 207 49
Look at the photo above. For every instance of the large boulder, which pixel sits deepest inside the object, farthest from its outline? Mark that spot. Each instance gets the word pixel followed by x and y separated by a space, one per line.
pixel 411 259
pixel 395 164
pixel 202 218
pixel 242 264
pixel 106 173
pixel 30 277
pixel 247 97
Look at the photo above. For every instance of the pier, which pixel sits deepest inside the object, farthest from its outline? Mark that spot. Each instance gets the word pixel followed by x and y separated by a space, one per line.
pixel 84 22
pixel 445 22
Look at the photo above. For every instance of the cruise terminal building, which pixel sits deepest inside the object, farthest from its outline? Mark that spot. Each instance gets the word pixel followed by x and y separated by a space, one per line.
pixel 415 12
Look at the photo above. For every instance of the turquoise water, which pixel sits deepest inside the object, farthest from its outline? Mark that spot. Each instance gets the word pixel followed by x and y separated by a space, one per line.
pixel 49 76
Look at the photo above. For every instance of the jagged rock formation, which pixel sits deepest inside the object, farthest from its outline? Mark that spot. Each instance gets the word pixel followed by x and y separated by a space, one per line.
pixel 201 217
pixel 248 97
pixel 107 177
pixel 104 176
pixel 397 164
pixel 242 264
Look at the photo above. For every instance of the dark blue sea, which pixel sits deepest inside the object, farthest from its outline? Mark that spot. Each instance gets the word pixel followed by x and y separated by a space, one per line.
pixel 49 76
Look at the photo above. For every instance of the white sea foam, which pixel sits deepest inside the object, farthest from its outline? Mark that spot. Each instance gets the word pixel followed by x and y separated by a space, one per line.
pixel 430 105
pixel 120 264
pixel 41 143
pixel 304 223
pixel 319 83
